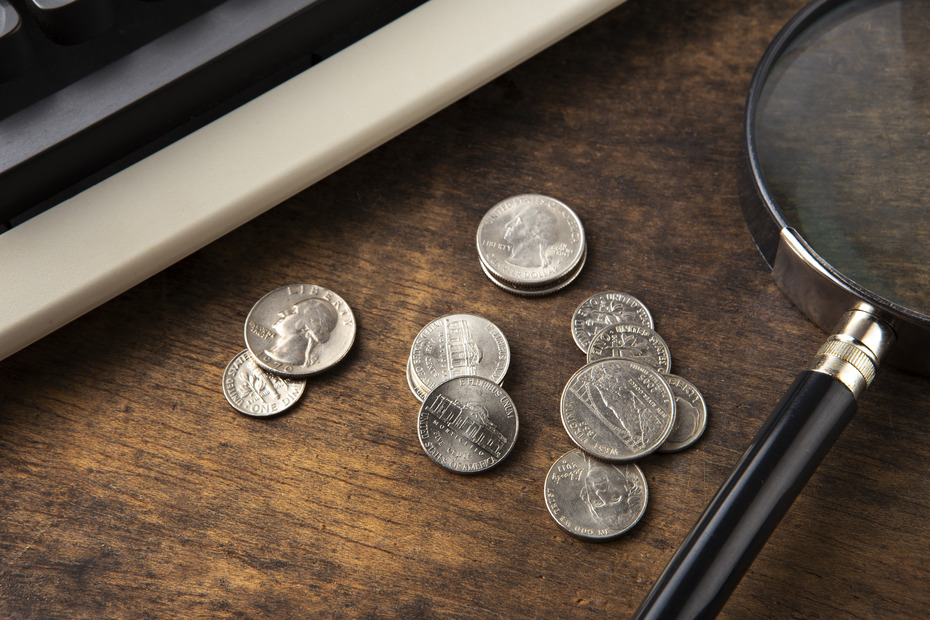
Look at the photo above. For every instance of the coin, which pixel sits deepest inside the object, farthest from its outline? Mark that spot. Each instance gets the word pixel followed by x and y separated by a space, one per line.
pixel 617 409
pixel 457 345
pixel 252 391
pixel 594 499
pixel 633 342
pixel 299 330
pixel 530 240
pixel 604 309
pixel 415 387
pixel 538 291
pixel 468 424
pixel 690 415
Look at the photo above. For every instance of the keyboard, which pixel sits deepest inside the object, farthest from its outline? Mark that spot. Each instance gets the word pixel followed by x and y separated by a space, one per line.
pixel 129 223
pixel 110 81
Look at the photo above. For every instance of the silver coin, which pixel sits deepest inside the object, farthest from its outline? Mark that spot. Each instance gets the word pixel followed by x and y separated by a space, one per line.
pixel 299 330
pixel 530 240
pixel 458 345
pixel 633 342
pixel 415 387
pixel 603 310
pixel 594 499
pixel 690 415
pixel 538 291
pixel 468 424
pixel 252 391
pixel 617 409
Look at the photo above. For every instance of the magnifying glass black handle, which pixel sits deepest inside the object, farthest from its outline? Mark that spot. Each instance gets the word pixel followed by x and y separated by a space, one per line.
pixel 778 463
pixel 747 508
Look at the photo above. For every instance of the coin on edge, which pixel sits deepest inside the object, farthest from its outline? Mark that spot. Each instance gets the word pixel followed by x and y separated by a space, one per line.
pixel 617 409
pixel 252 391
pixel 457 345
pixel 530 240
pixel 632 342
pixel 690 415
pixel 299 330
pixel 603 310
pixel 468 424
pixel 594 499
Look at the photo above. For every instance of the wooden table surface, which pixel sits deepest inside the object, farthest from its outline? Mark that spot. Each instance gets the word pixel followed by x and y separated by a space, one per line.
pixel 129 488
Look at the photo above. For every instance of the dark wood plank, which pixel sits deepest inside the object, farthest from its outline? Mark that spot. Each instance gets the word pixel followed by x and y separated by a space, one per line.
pixel 129 488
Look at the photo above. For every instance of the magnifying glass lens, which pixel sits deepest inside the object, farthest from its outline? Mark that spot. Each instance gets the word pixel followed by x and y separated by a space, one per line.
pixel 842 132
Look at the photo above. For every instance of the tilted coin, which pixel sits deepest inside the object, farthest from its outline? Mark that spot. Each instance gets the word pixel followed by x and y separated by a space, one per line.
pixel 252 391
pixel 418 390
pixel 603 310
pixel 633 342
pixel 617 409
pixel 457 345
pixel 530 240
pixel 538 291
pixel 299 330
pixel 594 499
pixel 468 424
pixel 690 415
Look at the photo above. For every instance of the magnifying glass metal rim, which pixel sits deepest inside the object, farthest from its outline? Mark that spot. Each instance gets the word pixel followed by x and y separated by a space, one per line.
pixel 818 289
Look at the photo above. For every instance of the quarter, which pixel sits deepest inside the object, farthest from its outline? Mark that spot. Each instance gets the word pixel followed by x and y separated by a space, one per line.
pixel 299 330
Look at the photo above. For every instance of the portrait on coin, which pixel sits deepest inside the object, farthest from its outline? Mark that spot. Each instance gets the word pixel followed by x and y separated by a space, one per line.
pixel 300 329
pixel 608 494
pixel 531 231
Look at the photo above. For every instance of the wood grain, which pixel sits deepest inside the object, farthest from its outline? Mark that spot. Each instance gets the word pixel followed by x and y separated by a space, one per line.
pixel 130 489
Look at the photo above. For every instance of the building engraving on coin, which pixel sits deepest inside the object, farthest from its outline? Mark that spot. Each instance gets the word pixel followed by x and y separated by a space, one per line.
pixel 299 330
pixel 252 391
pixel 602 310
pixel 690 415
pixel 529 240
pixel 594 499
pixel 458 345
pixel 617 409
pixel 467 424
pixel 634 342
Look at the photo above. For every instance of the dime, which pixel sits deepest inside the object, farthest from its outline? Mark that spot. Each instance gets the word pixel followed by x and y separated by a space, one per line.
pixel 690 415
pixel 530 240
pixel 254 392
pixel 299 330
pixel 633 342
pixel 536 291
pixel 617 409
pixel 593 499
pixel 468 424
pixel 604 309
pixel 456 345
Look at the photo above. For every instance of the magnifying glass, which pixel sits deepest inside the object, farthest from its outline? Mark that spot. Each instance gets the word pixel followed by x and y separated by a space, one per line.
pixel 837 197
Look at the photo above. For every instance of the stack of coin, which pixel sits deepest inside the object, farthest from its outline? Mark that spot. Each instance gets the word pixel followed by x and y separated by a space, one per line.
pixel 621 406
pixel 531 245
pixel 467 423
pixel 291 333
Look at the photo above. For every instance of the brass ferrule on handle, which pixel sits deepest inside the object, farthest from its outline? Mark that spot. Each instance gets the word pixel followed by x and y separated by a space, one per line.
pixel 854 351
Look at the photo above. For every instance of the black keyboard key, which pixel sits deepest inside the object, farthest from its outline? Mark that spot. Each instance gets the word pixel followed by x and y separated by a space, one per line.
pixel 14 43
pixel 72 21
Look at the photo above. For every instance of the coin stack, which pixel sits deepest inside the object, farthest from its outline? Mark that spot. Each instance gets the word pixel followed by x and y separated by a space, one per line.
pixel 467 423
pixel 291 333
pixel 531 245
pixel 621 406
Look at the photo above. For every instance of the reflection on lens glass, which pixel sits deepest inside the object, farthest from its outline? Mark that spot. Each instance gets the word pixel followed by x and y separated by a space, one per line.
pixel 843 141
